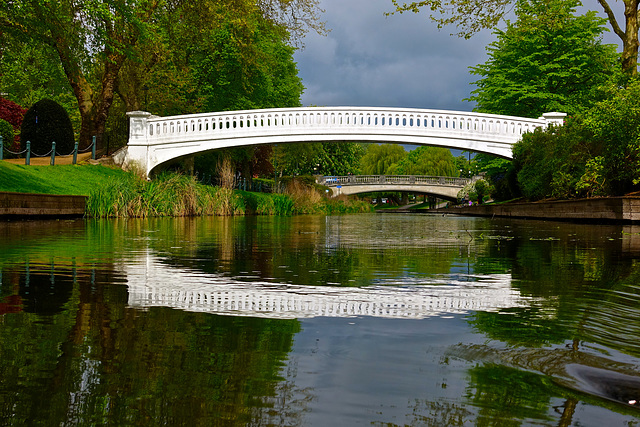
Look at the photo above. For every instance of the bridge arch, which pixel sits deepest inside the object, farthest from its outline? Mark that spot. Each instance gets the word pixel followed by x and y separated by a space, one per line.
pixel 443 187
pixel 157 140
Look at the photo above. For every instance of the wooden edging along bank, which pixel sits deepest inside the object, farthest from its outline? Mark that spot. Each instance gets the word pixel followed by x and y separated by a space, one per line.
pixel 25 205
pixel 597 210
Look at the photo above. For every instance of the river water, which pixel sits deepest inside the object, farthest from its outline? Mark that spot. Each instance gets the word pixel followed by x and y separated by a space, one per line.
pixel 366 319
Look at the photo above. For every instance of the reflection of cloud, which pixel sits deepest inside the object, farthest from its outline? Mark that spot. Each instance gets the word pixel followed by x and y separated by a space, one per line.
pixel 154 284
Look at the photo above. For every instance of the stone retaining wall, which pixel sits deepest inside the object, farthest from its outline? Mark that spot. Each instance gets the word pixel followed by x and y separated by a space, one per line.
pixel 606 209
pixel 40 205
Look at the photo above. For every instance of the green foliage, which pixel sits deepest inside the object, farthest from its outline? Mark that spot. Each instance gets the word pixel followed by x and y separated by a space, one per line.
pixel 548 60
pixel 30 73
pixel 6 132
pixel 176 195
pixel 615 125
pixel 319 158
pixel 550 162
pixel 340 158
pixel 596 153
pixel 476 191
pixel 230 78
pixel 46 122
pixel 296 159
pixel 268 204
pixel 379 158
pixel 424 160
pixel 154 54
pixel 500 173
pixel 592 182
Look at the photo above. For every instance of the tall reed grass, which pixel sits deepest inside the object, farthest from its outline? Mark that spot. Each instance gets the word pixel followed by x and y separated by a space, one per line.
pixel 169 194
pixel 176 195
pixel 307 199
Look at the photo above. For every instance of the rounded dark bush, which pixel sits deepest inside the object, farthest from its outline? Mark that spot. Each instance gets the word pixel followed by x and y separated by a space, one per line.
pixel 45 122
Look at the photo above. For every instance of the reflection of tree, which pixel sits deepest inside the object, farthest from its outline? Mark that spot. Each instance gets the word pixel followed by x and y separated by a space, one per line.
pixel 574 271
pixel 585 292
pixel 506 396
pixel 437 414
pixel 313 250
pixel 290 403
pixel 94 361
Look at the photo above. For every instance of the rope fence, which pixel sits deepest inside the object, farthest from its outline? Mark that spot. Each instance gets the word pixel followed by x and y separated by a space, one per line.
pixel 53 153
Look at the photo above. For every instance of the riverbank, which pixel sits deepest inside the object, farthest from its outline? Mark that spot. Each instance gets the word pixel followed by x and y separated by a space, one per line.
pixel 112 193
pixel 596 210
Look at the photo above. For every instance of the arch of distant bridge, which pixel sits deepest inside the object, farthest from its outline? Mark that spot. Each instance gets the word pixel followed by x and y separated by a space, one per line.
pixel 445 187
pixel 156 140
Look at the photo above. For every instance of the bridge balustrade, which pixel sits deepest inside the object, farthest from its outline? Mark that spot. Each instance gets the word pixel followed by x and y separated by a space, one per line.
pixel 221 122
pixel 332 181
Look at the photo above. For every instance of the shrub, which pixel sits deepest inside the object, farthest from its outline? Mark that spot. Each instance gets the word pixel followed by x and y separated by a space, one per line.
pixel 6 131
pixel 45 122
pixel 476 191
pixel 550 162
pixel 615 125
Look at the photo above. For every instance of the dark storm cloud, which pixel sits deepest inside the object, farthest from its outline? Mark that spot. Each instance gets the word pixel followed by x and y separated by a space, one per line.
pixel 399 61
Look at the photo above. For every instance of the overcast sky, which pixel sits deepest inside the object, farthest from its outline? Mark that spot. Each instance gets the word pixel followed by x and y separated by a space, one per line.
pixel 398 61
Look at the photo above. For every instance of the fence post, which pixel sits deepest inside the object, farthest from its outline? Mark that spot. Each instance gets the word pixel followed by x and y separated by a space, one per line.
pixel 93 148
pixel 75 153
pixel 53 153
pixel 1 149
pixel 27 159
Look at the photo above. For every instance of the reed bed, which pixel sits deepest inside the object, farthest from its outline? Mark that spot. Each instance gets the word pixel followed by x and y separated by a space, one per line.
pixel 169 194
pixel 175 195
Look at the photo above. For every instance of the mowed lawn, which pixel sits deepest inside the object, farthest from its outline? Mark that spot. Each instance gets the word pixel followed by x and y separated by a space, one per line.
pixel 59 179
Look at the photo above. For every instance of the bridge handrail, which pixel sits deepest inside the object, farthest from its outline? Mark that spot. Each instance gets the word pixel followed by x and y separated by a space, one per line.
pixel 333 181
pixel 144 126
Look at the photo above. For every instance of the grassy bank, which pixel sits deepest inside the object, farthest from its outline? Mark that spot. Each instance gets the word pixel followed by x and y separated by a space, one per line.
pixel 76 180
pixel 115 193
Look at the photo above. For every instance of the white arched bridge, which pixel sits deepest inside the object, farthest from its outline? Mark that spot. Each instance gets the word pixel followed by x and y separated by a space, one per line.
pixel 156 140
pixel 444 187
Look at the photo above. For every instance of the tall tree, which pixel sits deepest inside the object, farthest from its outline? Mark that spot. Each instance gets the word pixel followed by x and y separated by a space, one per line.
pixel 29 73
pixel 547 60
pixel 435 161
pixel 91 39
pixel 380 157
pixel 471 16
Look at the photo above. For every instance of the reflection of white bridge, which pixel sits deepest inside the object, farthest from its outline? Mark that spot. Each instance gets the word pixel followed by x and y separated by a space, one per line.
pixel 156 140
pixel 153 284
pixel 443 186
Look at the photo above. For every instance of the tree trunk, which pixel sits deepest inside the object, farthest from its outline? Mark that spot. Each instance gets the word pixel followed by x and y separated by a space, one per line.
pixel 629 35
pixel 630 42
